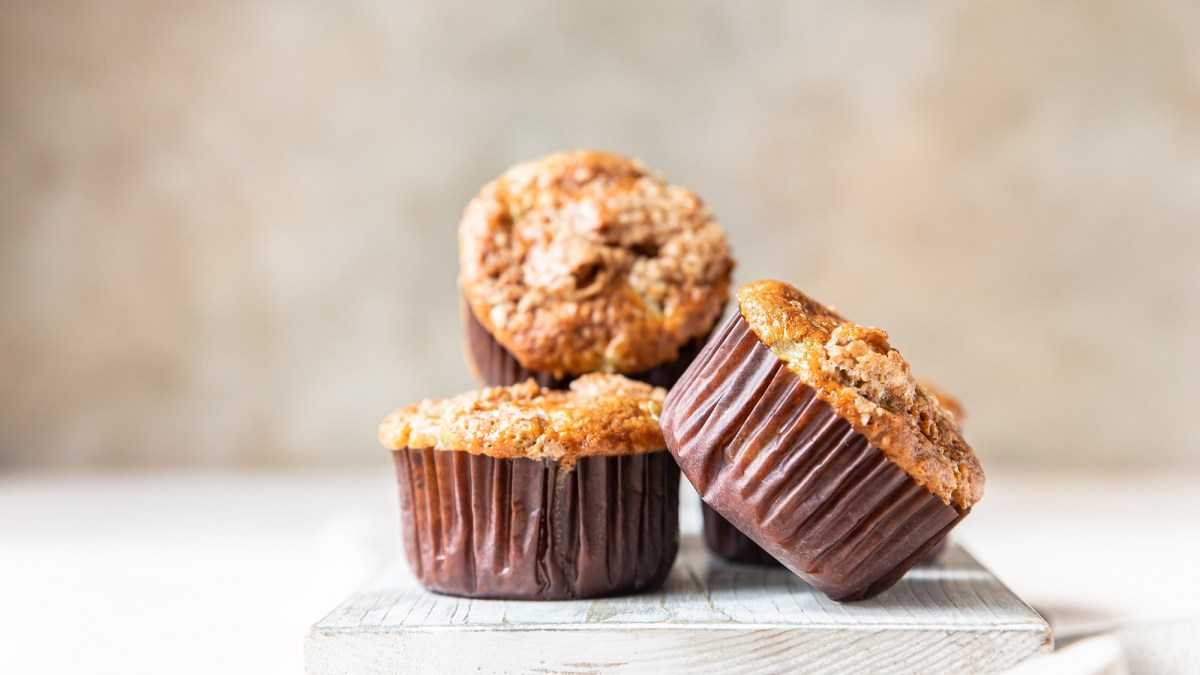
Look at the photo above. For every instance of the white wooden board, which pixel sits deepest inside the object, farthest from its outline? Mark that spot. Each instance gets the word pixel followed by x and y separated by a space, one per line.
pixel 711 616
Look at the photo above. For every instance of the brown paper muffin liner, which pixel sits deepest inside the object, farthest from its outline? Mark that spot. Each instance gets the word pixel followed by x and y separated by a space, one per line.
pixel 728 542
pixel 492 363
pixel 784 468
pixel 524 529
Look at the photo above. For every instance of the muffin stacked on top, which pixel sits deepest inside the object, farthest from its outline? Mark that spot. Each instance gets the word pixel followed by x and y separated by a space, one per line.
pixel 588 262
pixel 575 269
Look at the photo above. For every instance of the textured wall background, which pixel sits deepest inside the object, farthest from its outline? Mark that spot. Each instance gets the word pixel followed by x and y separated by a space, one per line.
pixel 227 229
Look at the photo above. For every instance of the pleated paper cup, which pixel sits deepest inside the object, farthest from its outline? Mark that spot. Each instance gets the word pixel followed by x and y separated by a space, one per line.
pixel 524 529
pixel 728 542
pixel 786 470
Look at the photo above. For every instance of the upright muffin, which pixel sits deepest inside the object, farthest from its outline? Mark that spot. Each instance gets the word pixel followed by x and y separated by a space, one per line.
pixel 728 542
pixel 808 433
pixel 588 262
pixel 521 492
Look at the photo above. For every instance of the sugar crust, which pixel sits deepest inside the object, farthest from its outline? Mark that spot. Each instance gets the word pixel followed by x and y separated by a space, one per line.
pixel 600 414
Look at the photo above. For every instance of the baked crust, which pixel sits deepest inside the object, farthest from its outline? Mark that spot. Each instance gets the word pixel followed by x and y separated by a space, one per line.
pixel 949 404
pixel 586 261
pixel 868 383
pixel 599 415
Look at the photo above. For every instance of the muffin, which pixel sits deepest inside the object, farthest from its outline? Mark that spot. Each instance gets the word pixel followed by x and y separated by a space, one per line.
pixel 588 262
pixel 728 542
pixel 522 492
pixel 808 433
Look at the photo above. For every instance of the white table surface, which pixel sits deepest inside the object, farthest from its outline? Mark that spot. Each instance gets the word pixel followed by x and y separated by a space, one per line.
pixel 203 572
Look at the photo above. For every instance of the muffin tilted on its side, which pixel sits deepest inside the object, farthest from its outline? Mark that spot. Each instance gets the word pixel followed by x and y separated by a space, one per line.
pixel 728 542
pixel 588 262
pixel 521 492
pixel 809 434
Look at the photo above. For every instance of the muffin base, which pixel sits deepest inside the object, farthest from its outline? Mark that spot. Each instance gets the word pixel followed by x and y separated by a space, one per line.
pixel 785 469
pixel 522 529
pixel 492 363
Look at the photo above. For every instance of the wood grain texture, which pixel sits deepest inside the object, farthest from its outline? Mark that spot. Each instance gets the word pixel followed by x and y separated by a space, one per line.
pixel 711 616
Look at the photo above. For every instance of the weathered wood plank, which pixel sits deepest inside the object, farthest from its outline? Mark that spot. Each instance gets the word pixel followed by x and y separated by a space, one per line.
pixel 711 616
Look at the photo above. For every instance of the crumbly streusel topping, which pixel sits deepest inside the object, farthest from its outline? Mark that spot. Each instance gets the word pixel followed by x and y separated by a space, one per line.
pixel 856 370
pixel 585 261
pixel 949 404
pixel 599 415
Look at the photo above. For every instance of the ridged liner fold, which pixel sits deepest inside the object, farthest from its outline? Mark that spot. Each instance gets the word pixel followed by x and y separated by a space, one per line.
pixel 484 527
pixel 728 542
pixel 785 469
pixel 497 367
pixel 725 540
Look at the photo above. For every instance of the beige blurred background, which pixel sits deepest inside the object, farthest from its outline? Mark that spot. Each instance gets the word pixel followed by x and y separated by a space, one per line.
pixel 227 230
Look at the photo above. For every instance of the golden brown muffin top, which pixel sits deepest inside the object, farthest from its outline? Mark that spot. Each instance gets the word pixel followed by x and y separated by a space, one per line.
pixel 867 382
pixel 949 404
pixel 599 415
pixel 586 261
